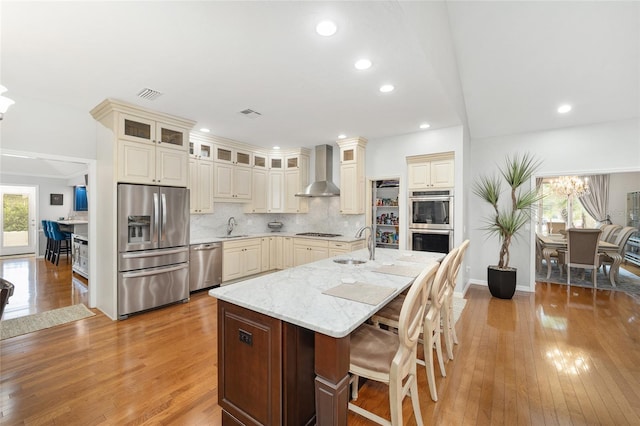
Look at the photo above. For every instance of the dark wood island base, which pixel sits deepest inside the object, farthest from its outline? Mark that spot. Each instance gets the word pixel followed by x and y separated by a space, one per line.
pixel 271 372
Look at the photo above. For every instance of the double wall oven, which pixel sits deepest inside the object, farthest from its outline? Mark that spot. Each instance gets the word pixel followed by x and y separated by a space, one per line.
pixel 431 220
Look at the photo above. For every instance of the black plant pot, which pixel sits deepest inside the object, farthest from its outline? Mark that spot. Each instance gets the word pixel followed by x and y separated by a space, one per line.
pixel 502 282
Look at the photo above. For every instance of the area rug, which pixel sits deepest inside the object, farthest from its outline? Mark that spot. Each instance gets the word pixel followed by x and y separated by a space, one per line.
pixel 626 281
pixel 458 305
pixel 30 323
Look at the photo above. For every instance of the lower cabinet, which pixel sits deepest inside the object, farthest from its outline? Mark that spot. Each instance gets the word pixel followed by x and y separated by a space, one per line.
pixel 308 250
pixel 265 369
pixel 241 258
pixel 337 248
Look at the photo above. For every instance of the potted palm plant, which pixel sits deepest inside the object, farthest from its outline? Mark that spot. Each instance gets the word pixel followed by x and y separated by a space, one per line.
pixel 507 217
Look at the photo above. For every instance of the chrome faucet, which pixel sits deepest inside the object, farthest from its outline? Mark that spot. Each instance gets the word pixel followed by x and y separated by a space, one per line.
pixel 371 245
pixel 231 224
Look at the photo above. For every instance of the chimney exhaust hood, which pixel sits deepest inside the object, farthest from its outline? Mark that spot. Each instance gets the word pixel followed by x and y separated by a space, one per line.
pixel 323 186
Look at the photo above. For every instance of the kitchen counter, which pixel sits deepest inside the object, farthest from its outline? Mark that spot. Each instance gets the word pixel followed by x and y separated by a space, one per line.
pixel 295 295
pixel 217 239
pixel 279 336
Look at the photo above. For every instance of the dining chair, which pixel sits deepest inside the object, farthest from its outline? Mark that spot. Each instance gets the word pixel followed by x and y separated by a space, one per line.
pixel 390 358
pixel 448 322
pixel 61 242
pixel 609 231
pixel 581 252
pixel 389 316
pixel 6 291
pixel 49 248
pixel 621 241
pixel 431 329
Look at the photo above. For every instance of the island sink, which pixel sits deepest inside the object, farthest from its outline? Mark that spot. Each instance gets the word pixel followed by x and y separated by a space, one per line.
pixel 350 261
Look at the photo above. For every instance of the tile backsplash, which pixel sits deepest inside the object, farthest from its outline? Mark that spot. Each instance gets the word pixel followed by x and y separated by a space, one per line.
pixel 324 216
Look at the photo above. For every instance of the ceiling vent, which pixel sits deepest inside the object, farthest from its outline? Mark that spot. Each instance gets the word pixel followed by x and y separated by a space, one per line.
pixel 250 113
pixel 149 94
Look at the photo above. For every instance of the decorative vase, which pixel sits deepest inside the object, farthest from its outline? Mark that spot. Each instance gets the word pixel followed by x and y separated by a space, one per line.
pixel 502 282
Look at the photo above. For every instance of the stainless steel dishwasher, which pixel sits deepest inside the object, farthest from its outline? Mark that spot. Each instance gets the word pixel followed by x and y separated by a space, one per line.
pixel 205 266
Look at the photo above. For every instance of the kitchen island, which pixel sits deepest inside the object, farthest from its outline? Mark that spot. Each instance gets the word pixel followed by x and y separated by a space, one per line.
pixel 283 345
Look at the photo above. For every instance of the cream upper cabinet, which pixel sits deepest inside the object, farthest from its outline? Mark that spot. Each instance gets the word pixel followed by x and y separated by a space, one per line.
pixel 232 155
pixel 241 258
pixel 430 171
pixel 201 150
pixel 201 186
pixel 147 130
pixel 352 175
pixel 307 250
pixel 232 177
pixel 259 192
pixel 151 151
pixel 296 177
pixel 275 192
pixel 231 182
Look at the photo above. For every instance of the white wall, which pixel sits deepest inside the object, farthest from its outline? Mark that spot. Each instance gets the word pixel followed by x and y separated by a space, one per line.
pixel 600 148
pixel 387 157
pixel 41 127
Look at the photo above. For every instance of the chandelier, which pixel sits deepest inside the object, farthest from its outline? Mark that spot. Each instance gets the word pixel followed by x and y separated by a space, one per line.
pixel 570 186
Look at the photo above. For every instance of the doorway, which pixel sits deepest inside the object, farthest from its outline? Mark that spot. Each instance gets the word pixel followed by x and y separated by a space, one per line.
pixel 18 218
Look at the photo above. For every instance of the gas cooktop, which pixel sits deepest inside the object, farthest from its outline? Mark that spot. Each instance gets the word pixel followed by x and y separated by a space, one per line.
pixel 318 234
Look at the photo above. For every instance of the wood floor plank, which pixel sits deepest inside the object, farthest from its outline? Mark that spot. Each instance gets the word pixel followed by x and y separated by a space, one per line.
pixel 513 364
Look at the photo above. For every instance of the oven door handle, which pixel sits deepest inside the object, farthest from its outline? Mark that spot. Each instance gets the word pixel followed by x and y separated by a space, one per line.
pixel 431 231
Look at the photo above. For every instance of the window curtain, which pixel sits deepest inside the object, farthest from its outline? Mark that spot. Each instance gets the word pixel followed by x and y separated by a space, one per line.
pixel 597 200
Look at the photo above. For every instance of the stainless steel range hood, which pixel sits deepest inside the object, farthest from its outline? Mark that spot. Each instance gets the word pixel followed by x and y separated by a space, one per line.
pixel 323 186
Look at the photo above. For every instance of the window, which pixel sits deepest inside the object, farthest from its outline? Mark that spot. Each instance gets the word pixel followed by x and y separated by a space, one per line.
pixel 553 210
pixel 80 203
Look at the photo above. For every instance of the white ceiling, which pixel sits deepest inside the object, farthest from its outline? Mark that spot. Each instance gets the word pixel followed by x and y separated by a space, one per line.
pixel 502 66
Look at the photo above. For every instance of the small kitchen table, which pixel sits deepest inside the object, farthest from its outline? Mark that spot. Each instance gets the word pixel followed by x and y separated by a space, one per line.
pixel 552 242
pixel 280 336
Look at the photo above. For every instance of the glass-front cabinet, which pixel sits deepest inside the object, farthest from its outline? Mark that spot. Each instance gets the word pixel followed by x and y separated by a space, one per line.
pixel 143 130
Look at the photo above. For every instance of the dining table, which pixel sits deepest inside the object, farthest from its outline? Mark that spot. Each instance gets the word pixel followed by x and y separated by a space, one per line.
pixel 549 243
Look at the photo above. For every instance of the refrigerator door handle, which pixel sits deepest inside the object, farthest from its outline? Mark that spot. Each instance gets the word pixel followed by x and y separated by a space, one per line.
pixel 156 218
pixel 138 255
pixel 164 217
pixel 154 272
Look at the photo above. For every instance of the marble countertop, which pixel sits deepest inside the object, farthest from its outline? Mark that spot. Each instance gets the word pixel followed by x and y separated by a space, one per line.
pixel 295 295
pixel 217 239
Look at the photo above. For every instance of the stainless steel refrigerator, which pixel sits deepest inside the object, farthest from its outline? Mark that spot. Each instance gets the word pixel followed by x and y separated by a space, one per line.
pixel 153 247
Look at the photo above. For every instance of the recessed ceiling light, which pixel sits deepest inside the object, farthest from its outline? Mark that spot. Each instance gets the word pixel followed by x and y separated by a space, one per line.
pixel 276 147
pixel 326 28
pixel 425 125
pixel 363 64
pixel 205 130
pixel 342 136
pixel 563 109
pixel 386 88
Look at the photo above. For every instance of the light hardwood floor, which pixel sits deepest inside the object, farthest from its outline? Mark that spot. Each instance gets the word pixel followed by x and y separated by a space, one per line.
pixel 555 357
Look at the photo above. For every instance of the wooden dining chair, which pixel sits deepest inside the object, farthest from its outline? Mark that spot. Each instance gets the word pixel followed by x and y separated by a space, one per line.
pixel 390 358
pixel 581 252
pixel 621 241
pixel 609 232
pixel 431 334
pixel 448 322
